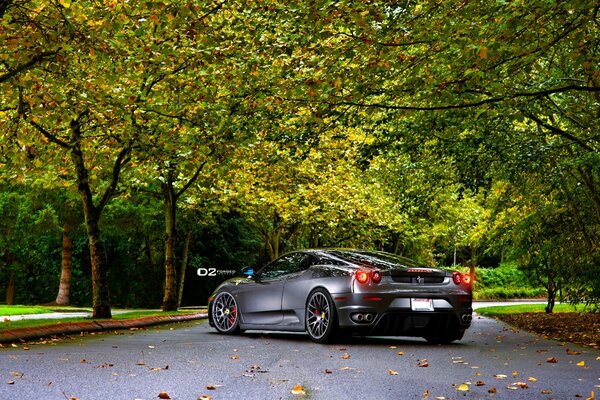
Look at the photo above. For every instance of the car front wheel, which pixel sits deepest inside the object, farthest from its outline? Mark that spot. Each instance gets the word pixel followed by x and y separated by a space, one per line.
pixel 225 313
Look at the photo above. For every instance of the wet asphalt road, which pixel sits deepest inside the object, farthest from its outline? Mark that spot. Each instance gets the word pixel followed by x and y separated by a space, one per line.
pixel 189 360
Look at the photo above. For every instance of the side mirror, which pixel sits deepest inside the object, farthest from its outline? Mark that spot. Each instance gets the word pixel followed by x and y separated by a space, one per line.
pixel 248 272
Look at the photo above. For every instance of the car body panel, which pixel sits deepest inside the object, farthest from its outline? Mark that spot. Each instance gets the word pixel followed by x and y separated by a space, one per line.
pixel 279 303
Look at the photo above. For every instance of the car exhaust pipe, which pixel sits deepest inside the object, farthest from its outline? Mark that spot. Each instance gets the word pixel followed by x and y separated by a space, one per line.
pixel 360 317
pixel 369 317
pixel 466 318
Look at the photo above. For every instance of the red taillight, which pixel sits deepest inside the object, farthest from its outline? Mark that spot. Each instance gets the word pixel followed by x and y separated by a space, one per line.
pixel 459 278
pixel 362 276
pixel 456 277
pixel 376 276
pixel 467 279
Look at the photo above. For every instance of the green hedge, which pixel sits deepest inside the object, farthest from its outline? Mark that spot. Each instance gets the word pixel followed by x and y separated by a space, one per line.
pixel 506 281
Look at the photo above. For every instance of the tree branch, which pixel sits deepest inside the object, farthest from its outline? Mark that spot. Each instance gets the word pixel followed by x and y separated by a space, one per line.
pixel 491 100
pixel 193 179
pixel 112 187
pixel 51 137
pixel 28 65
pixel 560 132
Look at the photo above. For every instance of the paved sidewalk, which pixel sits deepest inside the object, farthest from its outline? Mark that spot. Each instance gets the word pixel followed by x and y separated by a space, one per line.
pixel 19 334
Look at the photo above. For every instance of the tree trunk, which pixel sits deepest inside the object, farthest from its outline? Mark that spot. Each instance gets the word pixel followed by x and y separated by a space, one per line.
pixel 10 288
pixel 91 213
pixel 552 289
pixel 184 263
pixel 66 270
pixel 170 210
pixel 100 297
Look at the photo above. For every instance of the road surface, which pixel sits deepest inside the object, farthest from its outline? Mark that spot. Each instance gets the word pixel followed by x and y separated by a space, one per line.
pixel 189 361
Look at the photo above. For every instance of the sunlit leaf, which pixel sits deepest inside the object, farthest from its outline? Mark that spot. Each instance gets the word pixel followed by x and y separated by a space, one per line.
pixel 463 387
pixel 298 390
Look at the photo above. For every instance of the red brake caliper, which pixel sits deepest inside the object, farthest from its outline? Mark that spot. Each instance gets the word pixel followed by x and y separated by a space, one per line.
pixel 233 314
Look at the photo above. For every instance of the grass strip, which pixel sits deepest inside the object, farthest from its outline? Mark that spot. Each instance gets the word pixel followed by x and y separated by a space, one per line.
pixel 524 308
pixel 35 323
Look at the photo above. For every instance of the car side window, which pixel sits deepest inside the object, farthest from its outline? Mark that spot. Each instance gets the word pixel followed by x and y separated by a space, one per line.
pixel 288 264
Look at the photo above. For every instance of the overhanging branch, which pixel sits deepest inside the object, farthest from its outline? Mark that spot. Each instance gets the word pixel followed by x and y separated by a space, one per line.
pixel 491 100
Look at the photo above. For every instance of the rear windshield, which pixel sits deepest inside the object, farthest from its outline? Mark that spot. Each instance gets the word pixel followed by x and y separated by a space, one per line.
pixel 376 259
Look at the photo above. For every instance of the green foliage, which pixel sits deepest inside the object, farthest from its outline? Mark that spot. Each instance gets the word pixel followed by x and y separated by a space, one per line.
pixel 428 129
pixel 507 281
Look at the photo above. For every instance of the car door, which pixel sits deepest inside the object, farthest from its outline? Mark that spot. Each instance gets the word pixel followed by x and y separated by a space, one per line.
pixel 260 300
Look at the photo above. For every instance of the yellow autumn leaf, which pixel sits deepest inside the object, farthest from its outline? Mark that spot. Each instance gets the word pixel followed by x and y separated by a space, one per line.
pixel 532 379
pixel 463 388
pixel 392 372
pixel 483 52
pixel 592 396
pixel 581 364
pixel 298 390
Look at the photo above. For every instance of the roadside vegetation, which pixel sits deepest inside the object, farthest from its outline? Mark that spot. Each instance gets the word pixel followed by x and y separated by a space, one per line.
pixel 40 322
pixel 507 281
pixel 141 141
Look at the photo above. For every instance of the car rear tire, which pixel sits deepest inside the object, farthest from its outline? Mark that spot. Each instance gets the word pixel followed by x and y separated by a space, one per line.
pixel 321 317
pixel 225 314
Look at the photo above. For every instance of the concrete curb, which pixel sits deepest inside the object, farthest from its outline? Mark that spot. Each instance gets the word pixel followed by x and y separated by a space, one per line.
pixel 16 335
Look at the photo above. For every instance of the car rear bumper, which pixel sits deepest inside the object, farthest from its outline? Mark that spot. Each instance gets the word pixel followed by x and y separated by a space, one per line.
pixel 393 315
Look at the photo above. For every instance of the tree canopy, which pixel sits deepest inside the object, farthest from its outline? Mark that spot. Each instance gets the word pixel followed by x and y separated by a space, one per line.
pixel 442 130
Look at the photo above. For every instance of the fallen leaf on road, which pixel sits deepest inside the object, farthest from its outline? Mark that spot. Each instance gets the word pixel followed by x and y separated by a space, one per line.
pixel 151 347
pixel 346 368
pixel 328 371
pixel 235 357
pixel 298 390
pixel 392 372
pixel 393 347
pixel 572 352
pixel 346 356
pixel 581 364
pixel 83 361
pixel 592 396
pixel 551 360
pixel 500 376
pixel 463 388
pixel 532 379
pixel 17 374
pixel 10 382
pixel 205 397
pixel 522 385
pixel 515 373
pixel 479 383
pixel 426 394
pixel 25 347
pixel 546 391
pixel 423 363
pixel 400 353
pixel 164 395
pixel 492 390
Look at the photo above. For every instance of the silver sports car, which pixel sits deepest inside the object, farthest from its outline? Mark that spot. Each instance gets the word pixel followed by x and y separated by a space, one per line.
pixel 324 292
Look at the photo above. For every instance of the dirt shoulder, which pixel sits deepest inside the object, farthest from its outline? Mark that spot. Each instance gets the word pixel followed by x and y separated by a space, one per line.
pixel 579 328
